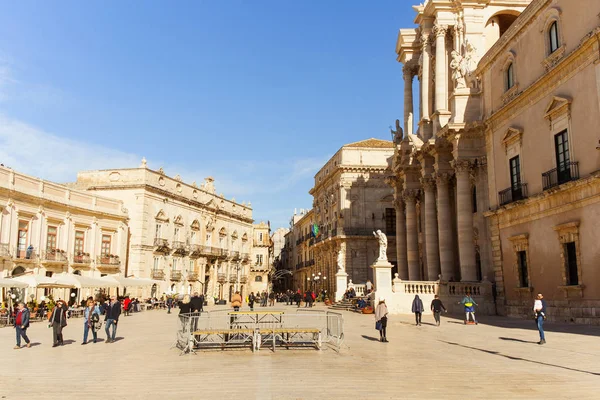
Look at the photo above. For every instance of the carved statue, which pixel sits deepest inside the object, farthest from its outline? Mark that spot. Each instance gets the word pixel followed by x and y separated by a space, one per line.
pixel 340 261
pixel 459 65
pixel 398 133
pixel 382 245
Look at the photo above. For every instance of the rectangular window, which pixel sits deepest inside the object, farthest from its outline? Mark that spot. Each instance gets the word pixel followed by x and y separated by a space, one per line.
pixel 515 178
pixel 105 247
pixel 208 239
pixel 260 237
pixel 158 231
pixel 51 238
pixel 193 237
pixel 571 260
pixel 174 264
pixel 79 242
pixel 259 259
pixel 176 234
pixel 523 273
pixel 156 263
pixel 192 266
pixel 22 239
pixel 390 221
pixel 563 161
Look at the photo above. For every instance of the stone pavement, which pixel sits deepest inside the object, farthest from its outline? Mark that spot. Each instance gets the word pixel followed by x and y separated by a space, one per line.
pixel 498 359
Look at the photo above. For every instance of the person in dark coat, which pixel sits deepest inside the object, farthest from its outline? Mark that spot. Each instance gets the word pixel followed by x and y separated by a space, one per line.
pixel 185 305
pixel 58 320
pixel 111 318
pixel 417 308
pixel 251 300
pixel 197 303
pixel 436 307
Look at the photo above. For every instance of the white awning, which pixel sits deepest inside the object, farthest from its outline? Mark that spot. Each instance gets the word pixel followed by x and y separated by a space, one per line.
pixel 10 283
pixel 130 282
pixel 79 281
pixel 40 281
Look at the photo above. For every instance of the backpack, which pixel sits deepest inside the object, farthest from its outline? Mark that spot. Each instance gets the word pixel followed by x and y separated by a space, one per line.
pixel 95 318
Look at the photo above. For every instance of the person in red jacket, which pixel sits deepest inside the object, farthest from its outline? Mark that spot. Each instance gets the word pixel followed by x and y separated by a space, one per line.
pixel 126 304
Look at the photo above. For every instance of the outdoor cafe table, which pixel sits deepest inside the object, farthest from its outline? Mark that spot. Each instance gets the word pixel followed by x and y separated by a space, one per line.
pixel 253 319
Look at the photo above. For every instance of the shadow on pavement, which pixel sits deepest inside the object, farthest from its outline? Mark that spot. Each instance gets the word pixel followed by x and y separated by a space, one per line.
pixel 496 353
pixel 516 340
pixel 370 338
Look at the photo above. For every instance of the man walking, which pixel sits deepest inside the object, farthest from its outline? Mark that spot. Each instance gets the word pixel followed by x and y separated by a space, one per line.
pixel 417 308
pixel 21 325
pixel 111 318
pixel 539 310
pixel 58 320
pixel 197 303
pixel 437 306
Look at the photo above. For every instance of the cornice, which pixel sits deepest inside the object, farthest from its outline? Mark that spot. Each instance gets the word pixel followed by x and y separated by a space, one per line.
pixel 526 18
pixel 182 199
pixel 579 58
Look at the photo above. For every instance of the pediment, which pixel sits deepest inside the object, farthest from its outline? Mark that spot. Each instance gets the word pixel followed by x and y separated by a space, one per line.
pixel 161 216
pixel 195 225
pixel 178 220
pixel 223 232
pixel 557 106
pixel 512 136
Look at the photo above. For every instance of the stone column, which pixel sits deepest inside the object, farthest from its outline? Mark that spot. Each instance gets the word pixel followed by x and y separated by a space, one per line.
pixel 464 210
pixel 441 69
pixel 445 226
pixel 401 240
pixel 408 97
pixel 431 229
pixel 425 76
pixel 412 235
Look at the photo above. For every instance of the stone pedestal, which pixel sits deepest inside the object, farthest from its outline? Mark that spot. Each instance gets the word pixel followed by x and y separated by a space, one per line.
pixel 341 284
pixel 465 103
pixel 382 274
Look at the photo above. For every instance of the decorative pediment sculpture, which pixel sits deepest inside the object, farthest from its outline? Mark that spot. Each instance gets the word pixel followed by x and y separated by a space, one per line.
pixel 195 226
pixel 161 216
pixel 178 220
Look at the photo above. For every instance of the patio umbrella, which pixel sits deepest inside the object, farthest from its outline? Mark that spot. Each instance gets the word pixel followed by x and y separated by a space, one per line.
pixel 10 283
pixel 80 282
pixel 40 281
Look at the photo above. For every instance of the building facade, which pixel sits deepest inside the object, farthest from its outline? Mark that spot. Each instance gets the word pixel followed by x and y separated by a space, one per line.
pixel 498 182
pixel 261 267
pixel 47 228
pixel 351 200
pixel 184 235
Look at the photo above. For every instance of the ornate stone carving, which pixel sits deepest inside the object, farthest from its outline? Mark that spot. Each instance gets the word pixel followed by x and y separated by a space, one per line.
pixel 443 178
pixel 440 29
pixel 462 165
pixel 398 133
pixel 410 195
pixel 428 183
pixel 341 258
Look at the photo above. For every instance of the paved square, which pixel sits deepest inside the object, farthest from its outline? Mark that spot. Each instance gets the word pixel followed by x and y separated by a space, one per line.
pixel 497 359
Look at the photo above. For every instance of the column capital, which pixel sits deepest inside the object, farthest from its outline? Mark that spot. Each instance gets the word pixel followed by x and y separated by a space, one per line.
pixel 461 165
pixel 428 183
pixel 410 195
pixel 440 29
pixel 443 178
pixel 410 69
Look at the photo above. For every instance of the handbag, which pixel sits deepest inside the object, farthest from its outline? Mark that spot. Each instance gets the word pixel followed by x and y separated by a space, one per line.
pixel 378 325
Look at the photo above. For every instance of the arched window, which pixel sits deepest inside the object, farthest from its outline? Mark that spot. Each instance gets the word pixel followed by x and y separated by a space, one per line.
pixel 553 33
pixel 510 79
pixel 258 278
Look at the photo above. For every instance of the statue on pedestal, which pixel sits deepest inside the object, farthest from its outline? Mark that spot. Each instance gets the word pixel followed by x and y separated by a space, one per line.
pixel 382 245
pixel 340 261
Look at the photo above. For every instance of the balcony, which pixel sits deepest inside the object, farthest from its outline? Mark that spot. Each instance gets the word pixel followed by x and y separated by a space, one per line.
pixel 157 274
pixel 108 262
pixel 82 259
pixel 224 253
pixel 245 257
pixel 24 255
pixel 221 278
pixel 232 279
pixel 243 279
pixel 161 245
pixel 557 176
pixel 192 277
pixel 195 251
pixel 211 251
pixel 179 248
pixel 235 255
pixel 175 275
pixel 512 194
pixel 4 251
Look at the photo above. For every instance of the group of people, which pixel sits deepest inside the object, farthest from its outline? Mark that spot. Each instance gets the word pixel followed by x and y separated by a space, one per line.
pixel 58 317
pixel 381 312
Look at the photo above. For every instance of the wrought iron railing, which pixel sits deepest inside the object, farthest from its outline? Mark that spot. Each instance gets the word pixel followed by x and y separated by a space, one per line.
pixel 4 250
pixel 221 278
pixel 158 274
pixel 82 259
pixel 161 244
pixel 195 250
pixel 235 255
pixel 108 260
pixel 192 276
pixel 512 194
pixel 25 254
pixel 557 176
pixel 54 256
pixel 175 275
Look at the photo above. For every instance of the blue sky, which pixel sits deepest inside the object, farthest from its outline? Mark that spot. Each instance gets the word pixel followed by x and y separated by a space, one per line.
pixel 258 94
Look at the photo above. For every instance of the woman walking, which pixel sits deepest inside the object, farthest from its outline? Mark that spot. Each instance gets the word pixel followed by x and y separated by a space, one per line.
pixel 381 313
pixel 417 308
pixel 91 317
